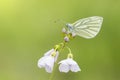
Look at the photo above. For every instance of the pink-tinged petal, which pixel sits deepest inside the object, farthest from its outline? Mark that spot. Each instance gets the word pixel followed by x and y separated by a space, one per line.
pixel 73 65
pixel 48 69
pixel 64 67
pixel 46 62
pixel 41 62
pixel 49 63
pixel 75 68
pixel 49 52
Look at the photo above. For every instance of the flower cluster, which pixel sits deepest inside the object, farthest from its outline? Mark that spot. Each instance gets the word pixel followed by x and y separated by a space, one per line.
pixel 50 57
pixel 67 35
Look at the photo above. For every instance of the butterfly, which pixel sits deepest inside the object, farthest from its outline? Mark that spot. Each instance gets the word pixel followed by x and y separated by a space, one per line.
pixel 86 27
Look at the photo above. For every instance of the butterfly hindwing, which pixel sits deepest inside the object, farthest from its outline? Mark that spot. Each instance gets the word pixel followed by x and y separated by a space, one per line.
pixel 88 27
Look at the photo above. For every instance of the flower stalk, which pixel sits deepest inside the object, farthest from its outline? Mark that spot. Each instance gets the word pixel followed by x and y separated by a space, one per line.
pixel 50 58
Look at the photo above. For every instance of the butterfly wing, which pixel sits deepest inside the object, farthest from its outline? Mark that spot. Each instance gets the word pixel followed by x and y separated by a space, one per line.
pixel 87 27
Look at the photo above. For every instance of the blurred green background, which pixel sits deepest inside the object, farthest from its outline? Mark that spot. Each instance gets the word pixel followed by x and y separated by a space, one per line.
pixel 28 30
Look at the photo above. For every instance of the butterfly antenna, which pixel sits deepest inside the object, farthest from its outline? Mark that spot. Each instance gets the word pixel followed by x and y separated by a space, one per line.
pixel 60 21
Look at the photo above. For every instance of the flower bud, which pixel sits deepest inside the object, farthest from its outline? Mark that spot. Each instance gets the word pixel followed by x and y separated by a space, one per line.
pixel 73 35
pixel 64 30
pixel 66 38
pixel 70 55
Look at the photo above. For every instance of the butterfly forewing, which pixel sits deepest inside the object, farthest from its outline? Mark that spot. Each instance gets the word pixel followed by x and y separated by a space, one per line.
pixel 88 27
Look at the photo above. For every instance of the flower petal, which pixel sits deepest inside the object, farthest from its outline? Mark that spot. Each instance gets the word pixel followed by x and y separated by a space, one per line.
pixel 73 65
pixel 49 63
pixel 49 52
pixel 64 67
pixel 57 54
pixel 41 62
pixel 75 68
pixel 48 69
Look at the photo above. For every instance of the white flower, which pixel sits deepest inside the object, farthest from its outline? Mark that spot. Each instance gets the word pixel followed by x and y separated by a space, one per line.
pixel 48 60
pixel 68 64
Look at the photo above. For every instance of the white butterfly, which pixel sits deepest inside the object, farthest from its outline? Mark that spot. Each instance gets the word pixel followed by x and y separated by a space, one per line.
pixel 86 27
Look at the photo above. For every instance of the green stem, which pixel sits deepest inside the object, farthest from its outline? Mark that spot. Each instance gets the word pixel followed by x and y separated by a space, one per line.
pixel 62 47
pixel 51 77
pixel 69 49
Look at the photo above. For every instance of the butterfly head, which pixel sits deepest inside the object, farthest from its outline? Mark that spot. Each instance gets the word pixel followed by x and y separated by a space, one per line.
pixel 69 26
